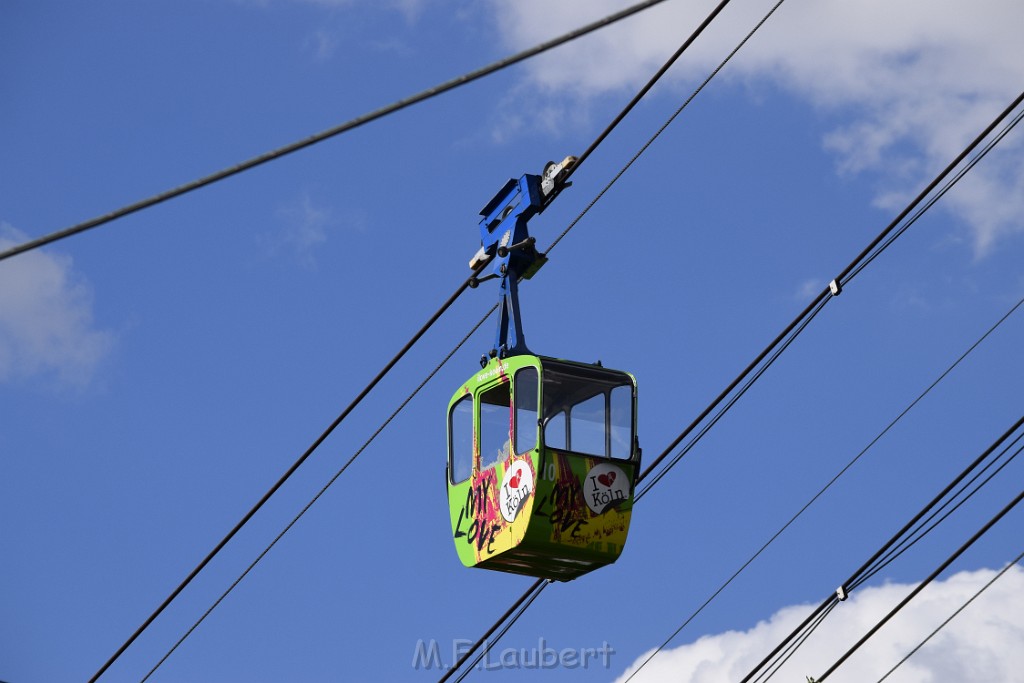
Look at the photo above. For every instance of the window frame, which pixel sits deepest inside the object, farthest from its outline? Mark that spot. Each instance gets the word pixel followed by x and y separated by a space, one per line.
pixel 479 420
pixel 451 437
pixel 611 380
pixel 534 423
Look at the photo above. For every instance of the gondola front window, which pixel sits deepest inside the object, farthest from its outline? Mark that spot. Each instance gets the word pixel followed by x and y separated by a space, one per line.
pixel 587 425
pixel 588 410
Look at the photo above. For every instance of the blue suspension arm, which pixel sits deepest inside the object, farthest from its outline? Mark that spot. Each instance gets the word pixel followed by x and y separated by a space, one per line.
pixel 505 238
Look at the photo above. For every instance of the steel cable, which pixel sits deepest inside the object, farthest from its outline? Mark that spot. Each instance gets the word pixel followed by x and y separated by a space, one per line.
pixel 327 134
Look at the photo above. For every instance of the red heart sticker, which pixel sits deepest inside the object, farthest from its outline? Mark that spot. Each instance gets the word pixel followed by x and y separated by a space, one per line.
pixel 607 479
pixel 514 481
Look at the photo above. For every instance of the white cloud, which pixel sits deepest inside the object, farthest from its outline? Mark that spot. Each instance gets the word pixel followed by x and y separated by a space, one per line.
pixel 46 319
pixel 304 230
pixel 809 289
pixel 322 44
pixel 409 9
pixel 909 82
pixel 983 643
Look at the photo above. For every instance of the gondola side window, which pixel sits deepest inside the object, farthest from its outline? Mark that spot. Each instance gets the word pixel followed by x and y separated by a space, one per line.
pixel 460 439
pixel 495 424
pixel 526 409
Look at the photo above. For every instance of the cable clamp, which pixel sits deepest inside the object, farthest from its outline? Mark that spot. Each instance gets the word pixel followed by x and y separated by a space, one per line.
pixel 553 177
pixel 841 593
pixel 835 288
pixel 480 258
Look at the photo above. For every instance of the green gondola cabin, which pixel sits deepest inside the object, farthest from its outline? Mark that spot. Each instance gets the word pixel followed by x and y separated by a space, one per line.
pixel 543 455
pixel 542 459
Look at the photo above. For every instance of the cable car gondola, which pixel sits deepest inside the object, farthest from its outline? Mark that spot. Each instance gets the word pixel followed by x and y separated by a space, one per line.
pixel 543 453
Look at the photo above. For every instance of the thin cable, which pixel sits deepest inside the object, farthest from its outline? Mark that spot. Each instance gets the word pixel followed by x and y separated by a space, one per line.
pixel 848 272
pixel 791 650
pixel 291 470
pixel 826 294
pixel 920 587
pixel 664 126
pixel 822 491
pixel 329 133
pixel 919 533
pixel 938 195
pixel 735 397
pixel 811 309
pixel 536 586
pixel 816 305
pixel 487 647
pixel 644 90
pixel 889 544
pixel 315 498
pixel 826 604
pixel 952 616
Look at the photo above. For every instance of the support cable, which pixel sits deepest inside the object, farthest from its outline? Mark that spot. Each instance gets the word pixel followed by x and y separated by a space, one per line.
pixel 732 400
pixel 791 649
pixel 920 532
pixel 860 581
pixel 952 616
pixel 788 335
pixel 280 482
pixel 466 670
pixel 535 588
pixel 664 126
pixel 844 588
pixel 329 133
pixel 938 195
pixel 920 587
pixel 650 84
pixel 835 287
pixel 870 252
pixel 848 588
pixel 318 495
pixel 822 491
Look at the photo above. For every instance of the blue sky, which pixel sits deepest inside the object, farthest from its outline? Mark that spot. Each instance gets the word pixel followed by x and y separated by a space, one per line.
pixel 158 374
